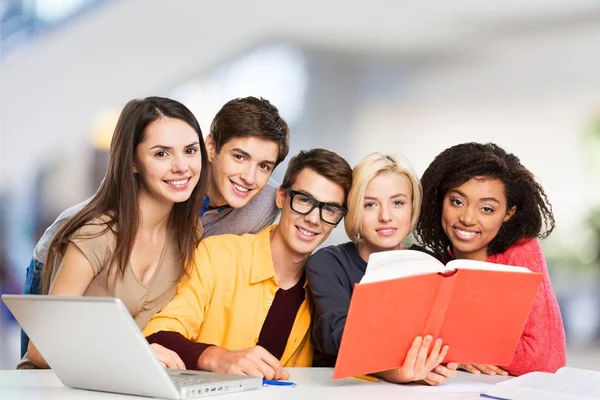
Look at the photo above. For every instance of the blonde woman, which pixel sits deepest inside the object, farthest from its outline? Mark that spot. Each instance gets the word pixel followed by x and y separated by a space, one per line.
pixel 383 208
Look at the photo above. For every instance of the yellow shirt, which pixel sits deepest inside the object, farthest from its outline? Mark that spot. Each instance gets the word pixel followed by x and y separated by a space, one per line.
pixel 225 299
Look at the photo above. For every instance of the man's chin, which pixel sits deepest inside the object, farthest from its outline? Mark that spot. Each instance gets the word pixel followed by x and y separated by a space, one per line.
pixel 235 201
pixel 306 249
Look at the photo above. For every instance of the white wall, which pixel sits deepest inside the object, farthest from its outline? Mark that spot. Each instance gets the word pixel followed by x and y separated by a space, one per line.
pixel 536 94
pixel 52 88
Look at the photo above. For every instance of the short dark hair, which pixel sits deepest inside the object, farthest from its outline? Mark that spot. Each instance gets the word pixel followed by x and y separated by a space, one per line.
pixel 325 163
pixel 251 116
pixel 458 164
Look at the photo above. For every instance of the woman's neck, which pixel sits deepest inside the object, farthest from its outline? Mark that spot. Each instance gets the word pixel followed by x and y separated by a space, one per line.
pixel 154 215
pixel 364 250
pixel 481 255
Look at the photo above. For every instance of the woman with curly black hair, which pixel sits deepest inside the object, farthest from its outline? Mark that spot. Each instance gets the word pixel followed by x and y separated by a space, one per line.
pixel 481 203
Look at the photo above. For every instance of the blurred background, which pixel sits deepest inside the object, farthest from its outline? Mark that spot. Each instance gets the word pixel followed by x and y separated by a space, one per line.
pixel 412 77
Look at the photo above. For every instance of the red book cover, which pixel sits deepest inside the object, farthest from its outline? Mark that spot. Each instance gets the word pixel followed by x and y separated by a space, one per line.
pixel 479 313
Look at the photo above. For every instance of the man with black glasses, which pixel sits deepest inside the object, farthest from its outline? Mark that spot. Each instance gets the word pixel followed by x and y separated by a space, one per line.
pixel 244 309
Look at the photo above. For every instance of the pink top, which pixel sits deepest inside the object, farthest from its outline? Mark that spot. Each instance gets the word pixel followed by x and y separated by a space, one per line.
pixel 542 346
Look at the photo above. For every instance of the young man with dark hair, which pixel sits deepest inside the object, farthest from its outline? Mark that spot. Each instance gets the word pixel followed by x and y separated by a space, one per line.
pixel 248 139
pixel 244 309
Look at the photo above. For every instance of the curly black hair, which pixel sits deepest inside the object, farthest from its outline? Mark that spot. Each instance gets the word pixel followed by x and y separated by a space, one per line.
pixel 458 164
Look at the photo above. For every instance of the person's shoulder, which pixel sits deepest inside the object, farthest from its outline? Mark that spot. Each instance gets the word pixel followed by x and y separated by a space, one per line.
pixel 337 249
pixel 229 242
pixel 99 226
pixel 524 247
pixel 69 212
pixel 225 254
pixel 44 242
pixel 331 254
pixel 222 240
pixel 527 252
pixel 255 216
pixel 266 197
pixel 270 190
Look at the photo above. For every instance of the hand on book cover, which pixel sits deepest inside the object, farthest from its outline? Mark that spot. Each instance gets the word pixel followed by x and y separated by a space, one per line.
pixel 485 368
pixel 418 366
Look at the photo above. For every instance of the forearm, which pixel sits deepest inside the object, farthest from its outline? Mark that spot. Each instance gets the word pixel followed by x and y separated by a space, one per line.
pixel 542 344
pixel 35 357
pixel 391 375
pixel 327 333
pixel 535 354
pixel 209 359
pixel 189 351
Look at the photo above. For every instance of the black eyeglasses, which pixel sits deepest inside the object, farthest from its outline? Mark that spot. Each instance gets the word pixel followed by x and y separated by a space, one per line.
pixel 303 204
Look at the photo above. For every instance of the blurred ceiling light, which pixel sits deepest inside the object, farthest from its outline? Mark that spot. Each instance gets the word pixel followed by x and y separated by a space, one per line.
pixel 276 72
pixel 102 129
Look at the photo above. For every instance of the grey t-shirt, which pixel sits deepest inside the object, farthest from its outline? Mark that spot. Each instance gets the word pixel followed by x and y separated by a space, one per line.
pixel 255 216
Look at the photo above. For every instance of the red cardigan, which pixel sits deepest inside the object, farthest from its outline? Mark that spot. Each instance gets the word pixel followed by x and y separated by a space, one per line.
pixel 542 346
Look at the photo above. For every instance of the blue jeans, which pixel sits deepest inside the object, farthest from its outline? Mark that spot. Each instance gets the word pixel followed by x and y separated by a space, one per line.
pixel 33 285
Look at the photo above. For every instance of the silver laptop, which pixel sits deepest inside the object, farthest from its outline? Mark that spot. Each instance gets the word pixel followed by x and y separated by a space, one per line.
pixel 93 343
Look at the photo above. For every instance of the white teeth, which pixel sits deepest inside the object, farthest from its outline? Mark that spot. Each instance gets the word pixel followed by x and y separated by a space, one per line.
pixel 385 230
pixel 240 188
pixel 178 183
pixel 465 234
pixel 306 233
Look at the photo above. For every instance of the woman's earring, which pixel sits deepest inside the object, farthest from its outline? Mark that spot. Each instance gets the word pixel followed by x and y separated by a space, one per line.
pixel 358 235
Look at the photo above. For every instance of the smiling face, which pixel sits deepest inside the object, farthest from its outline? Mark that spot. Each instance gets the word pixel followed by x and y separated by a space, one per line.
pixel 168 161
pixel 472 215
pixel 240 169
pixel 302 234
pixel 386 214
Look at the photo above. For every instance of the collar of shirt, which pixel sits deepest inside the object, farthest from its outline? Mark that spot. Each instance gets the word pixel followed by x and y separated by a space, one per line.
pixel 206 207
pixel 261 270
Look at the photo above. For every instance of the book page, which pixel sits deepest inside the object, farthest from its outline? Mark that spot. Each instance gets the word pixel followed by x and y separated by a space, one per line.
pixel 566 383
pixel 394 264
pixel 483 265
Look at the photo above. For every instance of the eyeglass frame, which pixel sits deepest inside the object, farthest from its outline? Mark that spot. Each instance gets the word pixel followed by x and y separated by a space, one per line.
pixel 316 204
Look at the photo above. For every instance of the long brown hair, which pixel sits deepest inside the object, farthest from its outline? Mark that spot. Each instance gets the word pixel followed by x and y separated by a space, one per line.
pixel 117 198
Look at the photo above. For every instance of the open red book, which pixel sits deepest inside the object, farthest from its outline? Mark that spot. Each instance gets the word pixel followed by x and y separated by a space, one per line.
pixel 477 308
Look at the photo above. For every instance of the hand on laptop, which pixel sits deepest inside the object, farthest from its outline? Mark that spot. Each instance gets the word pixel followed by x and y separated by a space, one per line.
pixel 254 361
pixel 168 358
pixel 418 366
pixel 485 368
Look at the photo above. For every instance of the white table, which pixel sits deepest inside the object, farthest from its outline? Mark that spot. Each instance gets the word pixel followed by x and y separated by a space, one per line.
pixel 312 383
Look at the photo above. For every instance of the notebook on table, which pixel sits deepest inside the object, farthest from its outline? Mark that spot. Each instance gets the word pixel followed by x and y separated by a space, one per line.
pixel 93 343
pixel 566 384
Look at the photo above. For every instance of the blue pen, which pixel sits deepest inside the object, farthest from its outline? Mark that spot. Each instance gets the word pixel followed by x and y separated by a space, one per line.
pixel 268 382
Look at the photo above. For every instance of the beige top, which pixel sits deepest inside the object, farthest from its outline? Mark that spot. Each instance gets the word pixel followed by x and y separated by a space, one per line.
pixel 142 301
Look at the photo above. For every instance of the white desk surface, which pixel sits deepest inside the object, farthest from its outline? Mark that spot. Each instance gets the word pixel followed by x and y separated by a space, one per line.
pixel 312 383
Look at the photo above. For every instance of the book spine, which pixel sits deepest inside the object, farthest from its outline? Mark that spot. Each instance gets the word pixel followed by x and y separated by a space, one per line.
pixel 435 320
